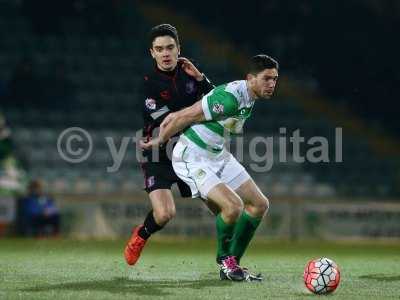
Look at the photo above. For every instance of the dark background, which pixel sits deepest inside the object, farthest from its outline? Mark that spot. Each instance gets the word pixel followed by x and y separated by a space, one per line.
pixel 79 63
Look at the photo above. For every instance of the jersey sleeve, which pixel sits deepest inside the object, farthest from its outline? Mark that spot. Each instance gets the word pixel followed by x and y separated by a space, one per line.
pixel 205 85
pixel 219 104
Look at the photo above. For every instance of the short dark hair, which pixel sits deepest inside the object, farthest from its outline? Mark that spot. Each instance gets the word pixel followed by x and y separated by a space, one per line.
pixel 162 30
pixel 261 62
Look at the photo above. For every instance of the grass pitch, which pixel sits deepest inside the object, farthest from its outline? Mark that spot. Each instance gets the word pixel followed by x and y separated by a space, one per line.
pixel 186 269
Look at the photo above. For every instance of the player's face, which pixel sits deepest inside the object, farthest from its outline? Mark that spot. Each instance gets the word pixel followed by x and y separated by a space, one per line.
pixel 263 84
pixel 165 51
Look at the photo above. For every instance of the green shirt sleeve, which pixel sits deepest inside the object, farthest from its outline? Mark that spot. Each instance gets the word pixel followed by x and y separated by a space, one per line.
pixel 219 104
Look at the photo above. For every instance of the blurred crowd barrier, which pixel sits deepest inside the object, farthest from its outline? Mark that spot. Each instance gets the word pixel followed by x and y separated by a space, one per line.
pixel 334 219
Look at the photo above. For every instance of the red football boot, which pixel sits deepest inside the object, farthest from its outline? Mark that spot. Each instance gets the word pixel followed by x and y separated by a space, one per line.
pixel 134 247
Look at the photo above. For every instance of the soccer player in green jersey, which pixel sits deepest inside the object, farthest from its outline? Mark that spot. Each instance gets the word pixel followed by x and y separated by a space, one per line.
pixel 200 159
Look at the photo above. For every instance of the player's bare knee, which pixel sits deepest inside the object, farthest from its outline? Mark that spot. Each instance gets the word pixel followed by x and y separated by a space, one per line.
pixel 264 205
pixel 233 210
pixel 163 217
pixel 260 206
pixel 231 214
pixel 172 213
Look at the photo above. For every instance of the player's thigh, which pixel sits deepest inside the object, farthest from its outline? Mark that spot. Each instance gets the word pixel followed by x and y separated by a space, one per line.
pixel 163 203
pixel 222 196
pixel 213 208
pixel 253 197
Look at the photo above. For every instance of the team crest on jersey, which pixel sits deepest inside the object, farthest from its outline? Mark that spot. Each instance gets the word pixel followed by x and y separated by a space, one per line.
pixel 190 87
pixel 200 174
pixel 218 108
pixel 150 103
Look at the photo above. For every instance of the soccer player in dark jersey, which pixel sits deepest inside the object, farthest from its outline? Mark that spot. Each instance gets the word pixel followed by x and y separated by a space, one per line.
pixel 173 84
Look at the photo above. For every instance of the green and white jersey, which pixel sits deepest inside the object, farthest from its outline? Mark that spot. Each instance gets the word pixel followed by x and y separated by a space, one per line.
pixel 226 108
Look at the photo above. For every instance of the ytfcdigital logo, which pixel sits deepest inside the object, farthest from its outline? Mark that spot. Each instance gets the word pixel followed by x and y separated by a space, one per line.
pixel 75 145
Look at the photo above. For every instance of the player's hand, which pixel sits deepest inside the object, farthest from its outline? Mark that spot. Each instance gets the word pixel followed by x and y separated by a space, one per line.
pixel 156 142
pixel 190 69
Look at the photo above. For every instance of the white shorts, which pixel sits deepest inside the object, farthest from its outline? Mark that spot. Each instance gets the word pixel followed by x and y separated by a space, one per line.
pixel 203 170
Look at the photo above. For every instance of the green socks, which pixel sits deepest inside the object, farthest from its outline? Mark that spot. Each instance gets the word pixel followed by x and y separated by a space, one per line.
pixel 224 236
pixel 244 231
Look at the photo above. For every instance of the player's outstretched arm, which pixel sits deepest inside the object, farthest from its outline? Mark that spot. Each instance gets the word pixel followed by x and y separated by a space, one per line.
pixel 175 122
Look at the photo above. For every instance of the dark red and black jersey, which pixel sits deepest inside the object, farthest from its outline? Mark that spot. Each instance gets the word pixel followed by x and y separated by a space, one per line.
pixel 164 92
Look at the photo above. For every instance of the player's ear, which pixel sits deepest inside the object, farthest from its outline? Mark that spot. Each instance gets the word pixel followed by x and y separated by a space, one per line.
pixel 250 76
pixel 251 79
pixel 179 49
pixel 152 52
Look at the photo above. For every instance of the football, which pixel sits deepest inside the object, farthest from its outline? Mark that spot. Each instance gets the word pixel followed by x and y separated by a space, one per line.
pixel 321 275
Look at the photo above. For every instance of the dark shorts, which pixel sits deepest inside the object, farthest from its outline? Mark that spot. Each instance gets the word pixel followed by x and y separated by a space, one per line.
pixel 161 175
